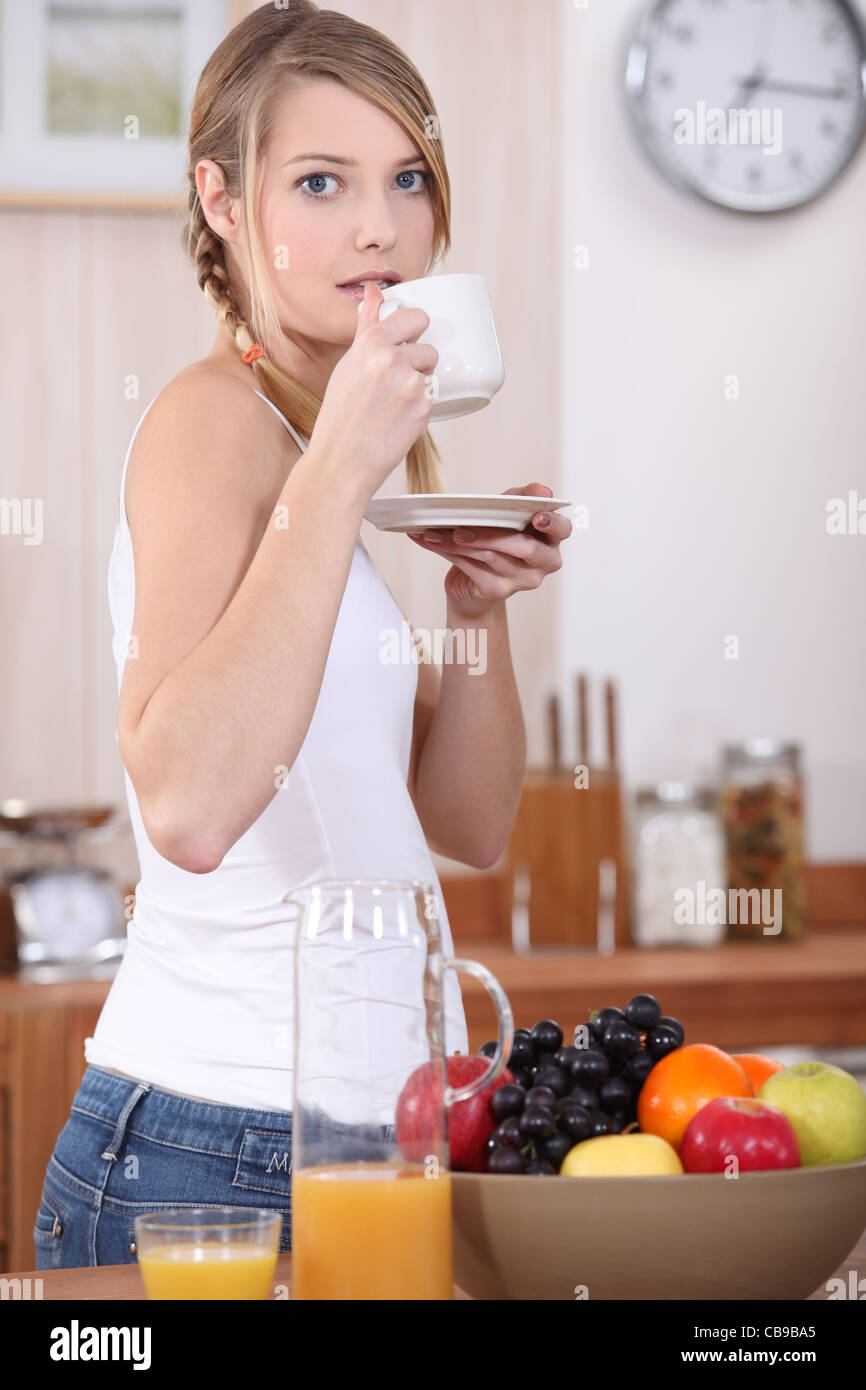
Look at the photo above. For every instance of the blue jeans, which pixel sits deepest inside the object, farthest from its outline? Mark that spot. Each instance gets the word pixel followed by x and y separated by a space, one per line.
pixel 129 1148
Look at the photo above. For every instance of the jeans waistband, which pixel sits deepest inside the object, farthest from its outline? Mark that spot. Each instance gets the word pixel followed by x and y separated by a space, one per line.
pixel 169 1114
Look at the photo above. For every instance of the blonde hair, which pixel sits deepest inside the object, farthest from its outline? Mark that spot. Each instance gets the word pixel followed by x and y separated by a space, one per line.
pixel 231 122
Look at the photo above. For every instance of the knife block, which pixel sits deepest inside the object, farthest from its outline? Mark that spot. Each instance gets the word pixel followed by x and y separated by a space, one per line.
pixel 554 871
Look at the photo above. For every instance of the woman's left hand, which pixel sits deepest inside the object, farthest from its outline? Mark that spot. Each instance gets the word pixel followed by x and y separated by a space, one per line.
pixel 497 562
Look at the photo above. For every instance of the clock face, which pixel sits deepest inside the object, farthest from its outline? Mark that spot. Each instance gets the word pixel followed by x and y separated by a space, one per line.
pixel 754 104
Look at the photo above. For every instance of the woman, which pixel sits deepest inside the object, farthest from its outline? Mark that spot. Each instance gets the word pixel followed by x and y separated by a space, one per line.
pixel 264 742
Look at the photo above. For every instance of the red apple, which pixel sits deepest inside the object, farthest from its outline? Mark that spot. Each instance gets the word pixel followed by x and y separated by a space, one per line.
pixel 469 1121
pixel 756 1134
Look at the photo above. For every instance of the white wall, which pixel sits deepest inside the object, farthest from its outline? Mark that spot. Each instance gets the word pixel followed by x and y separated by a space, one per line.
pixel 707 515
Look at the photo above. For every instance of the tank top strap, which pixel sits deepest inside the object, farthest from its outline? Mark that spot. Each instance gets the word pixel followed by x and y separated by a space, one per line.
pixel 298 438
pixel 122 496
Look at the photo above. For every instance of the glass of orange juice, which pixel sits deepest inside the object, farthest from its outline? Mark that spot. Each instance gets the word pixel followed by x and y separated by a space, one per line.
pixel 371 1185
pixel 208 1252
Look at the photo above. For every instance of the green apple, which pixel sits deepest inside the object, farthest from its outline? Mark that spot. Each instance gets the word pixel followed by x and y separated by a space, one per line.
pixel 826 1106
pixel 621 1155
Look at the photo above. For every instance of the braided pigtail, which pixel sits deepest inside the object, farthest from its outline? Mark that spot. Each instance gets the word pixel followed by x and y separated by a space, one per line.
pixel 206 250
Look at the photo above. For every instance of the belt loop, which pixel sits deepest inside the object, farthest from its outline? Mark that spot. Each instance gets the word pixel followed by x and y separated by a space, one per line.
pixel 117 1137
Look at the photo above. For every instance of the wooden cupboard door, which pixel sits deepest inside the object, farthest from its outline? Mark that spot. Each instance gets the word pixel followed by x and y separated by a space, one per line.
pixel 80 1023
pixel 45 1063
pixel 4 1181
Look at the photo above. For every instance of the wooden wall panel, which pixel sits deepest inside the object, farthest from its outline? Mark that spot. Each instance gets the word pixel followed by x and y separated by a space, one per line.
pixel 41 585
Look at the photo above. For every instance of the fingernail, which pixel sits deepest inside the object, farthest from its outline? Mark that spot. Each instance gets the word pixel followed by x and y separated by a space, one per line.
pixel 543 520
pixel 464 534
pixel 431 536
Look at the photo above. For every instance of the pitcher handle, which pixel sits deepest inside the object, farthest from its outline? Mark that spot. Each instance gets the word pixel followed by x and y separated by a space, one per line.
pixel 505 1020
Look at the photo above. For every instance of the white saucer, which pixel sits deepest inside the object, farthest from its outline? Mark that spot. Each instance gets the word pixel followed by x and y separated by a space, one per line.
pixel 418 510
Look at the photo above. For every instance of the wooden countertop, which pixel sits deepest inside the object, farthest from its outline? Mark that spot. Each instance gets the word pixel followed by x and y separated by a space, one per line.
pixel 822 955
pixel 738 995
pixel 17 992
pixel 118 1282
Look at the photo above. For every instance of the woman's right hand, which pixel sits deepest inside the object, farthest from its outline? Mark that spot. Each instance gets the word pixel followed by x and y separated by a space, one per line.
pixel 378 401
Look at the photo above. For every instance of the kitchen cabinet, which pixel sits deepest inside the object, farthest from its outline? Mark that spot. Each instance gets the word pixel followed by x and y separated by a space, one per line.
pixel 42 1032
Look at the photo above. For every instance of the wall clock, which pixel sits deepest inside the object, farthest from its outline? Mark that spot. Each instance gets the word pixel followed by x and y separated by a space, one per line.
pixel 756 105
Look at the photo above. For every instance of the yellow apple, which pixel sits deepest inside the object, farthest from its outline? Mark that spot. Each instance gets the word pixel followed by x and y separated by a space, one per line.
pixel 621 1155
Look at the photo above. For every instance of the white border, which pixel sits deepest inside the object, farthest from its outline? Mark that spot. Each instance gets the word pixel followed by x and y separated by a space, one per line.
pixel 32 162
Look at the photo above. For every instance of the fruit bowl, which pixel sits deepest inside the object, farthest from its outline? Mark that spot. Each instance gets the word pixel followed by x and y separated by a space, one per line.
pixel 764 1235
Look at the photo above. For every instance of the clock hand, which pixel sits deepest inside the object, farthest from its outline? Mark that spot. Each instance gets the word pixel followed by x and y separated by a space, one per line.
pixel 748 85
pixel 802 89
pixel 764 26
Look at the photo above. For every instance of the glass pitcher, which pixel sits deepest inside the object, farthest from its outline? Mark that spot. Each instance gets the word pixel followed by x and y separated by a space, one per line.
pixel 371 1193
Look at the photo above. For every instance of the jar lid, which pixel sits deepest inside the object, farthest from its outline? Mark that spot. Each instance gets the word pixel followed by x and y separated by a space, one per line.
pixel 676 793
pixel 761 748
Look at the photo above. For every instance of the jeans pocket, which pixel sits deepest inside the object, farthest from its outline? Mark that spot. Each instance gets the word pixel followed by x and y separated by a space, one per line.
pixel 265 1162
pixel 265 1166
pixel 49 1232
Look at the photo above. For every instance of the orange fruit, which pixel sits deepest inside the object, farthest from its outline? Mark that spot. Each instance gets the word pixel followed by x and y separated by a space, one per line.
pixel 757 1067
pixel 682 1082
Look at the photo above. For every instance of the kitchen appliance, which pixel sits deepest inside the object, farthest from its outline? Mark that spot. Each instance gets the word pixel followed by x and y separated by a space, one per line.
pixel 58 917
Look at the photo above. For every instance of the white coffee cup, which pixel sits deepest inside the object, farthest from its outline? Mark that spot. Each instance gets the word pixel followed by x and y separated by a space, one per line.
pixel 469 371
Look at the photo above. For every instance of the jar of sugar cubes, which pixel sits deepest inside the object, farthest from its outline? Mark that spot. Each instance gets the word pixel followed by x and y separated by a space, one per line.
pixel 679 870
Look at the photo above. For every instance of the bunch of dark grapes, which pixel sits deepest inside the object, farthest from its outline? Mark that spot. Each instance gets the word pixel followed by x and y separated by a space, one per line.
pixel 564 1094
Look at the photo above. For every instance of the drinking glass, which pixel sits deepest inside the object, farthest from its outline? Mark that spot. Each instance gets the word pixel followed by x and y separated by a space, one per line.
pixel 208 1252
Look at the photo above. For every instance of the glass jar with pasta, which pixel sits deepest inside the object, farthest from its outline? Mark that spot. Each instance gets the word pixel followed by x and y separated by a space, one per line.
pixel 761 807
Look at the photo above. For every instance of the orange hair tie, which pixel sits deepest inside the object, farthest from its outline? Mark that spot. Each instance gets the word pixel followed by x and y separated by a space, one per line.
pixel 252 353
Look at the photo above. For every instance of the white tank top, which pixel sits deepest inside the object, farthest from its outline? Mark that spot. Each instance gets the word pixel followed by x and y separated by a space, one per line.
pixel 203 999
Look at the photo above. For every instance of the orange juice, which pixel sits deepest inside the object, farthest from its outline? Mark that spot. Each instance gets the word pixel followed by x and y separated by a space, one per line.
pixel 209 1269
pixel 371 1230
